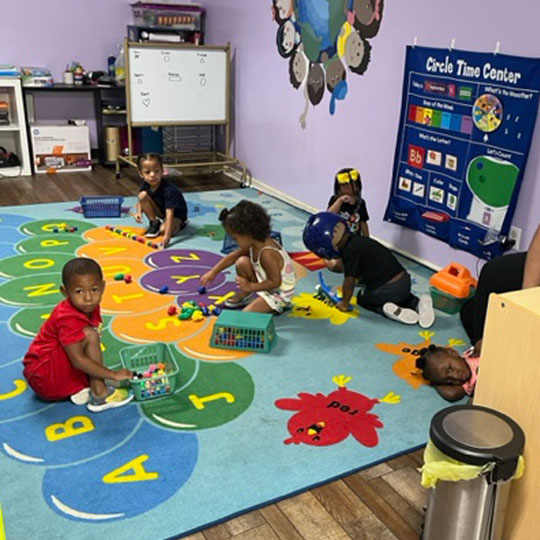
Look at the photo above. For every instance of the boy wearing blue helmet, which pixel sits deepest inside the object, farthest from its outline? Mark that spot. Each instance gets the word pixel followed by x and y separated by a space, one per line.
pixel 387 284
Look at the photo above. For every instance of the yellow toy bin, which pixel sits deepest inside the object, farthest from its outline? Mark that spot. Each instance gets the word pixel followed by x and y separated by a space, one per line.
pixel 451 287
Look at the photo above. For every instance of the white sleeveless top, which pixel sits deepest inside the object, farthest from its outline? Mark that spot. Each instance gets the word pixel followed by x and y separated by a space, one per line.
pixel 278 299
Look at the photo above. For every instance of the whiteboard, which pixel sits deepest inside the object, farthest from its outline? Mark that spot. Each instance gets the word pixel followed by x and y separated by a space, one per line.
pixel 170 85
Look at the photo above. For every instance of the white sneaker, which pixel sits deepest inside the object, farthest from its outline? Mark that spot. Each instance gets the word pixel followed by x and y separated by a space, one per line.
pixel 402 315
pixel 82 397
pixel 426 315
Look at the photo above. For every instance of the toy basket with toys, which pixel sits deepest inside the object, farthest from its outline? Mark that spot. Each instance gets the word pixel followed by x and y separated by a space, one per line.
pixel 244 331
pixel 155 370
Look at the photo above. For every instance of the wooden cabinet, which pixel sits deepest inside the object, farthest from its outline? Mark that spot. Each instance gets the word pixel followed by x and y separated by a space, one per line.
pixel 509 381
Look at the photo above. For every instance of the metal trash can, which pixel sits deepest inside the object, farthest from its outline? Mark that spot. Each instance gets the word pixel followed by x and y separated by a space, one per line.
pixel 473 509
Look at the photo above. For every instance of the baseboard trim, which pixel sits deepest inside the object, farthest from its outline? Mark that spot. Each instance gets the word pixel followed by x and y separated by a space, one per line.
pixel 269 190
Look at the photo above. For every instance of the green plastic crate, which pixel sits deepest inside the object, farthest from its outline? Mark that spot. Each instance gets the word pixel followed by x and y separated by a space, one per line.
pixel 446 302
pixel 244 331
pixel 139 359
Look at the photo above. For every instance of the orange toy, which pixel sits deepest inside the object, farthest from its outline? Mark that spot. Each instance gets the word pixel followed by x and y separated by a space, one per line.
pixel 454 280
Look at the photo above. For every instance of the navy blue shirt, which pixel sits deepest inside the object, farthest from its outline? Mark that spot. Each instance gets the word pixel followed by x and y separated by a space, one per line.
pixel 166 196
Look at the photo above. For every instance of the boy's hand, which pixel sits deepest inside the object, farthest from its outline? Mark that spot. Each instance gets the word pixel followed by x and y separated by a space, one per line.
pixel 164 242
pixel 123 374
pixel 244 284
pixel 207 278
pixel 138 217
pixel 342 306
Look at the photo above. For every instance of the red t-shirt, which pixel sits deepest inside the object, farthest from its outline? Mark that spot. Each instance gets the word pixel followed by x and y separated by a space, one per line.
pixel 46 365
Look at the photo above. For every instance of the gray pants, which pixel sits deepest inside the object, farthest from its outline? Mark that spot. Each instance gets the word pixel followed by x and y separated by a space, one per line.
pixel 398 292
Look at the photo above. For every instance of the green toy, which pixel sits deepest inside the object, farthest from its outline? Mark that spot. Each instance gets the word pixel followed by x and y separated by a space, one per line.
pixel 492 182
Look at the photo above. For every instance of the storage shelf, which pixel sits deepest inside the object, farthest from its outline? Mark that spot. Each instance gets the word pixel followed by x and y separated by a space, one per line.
pixel 13 136
pixel 9 127
pixel 11 171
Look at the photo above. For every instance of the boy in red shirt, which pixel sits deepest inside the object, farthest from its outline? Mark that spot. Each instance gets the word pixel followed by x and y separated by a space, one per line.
pixel 65 359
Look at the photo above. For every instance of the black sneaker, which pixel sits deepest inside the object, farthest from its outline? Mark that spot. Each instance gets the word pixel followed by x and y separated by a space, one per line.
pixel 153 229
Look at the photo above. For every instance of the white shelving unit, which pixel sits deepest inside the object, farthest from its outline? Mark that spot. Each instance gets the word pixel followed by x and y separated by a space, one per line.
pixel 13 137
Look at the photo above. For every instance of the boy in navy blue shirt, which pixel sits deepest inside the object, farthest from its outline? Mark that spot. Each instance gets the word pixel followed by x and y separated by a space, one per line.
pixel 161 200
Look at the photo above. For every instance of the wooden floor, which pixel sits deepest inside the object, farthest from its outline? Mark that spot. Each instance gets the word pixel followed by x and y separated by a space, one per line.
pixel 384 502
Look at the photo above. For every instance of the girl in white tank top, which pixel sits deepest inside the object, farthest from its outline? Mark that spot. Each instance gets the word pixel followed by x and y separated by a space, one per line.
pixel 279 298
pixel 265 272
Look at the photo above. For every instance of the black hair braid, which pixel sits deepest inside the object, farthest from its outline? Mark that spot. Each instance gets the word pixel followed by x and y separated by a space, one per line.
pixel 223 214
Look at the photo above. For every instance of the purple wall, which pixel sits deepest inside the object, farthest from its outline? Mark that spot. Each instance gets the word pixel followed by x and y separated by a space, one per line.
pixel 363 131
pixel 55 32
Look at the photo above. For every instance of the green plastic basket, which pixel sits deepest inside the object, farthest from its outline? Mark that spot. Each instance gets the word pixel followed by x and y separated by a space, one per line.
pixel 245 331
pixel 139 359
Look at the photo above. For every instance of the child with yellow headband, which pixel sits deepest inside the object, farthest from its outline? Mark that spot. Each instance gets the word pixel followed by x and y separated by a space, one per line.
pixel 347 202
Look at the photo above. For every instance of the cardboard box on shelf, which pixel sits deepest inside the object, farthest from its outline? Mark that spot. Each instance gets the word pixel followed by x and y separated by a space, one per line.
pixel 60 148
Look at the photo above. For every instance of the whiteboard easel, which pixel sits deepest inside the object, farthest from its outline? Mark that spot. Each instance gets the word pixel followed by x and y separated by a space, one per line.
pixel 179 85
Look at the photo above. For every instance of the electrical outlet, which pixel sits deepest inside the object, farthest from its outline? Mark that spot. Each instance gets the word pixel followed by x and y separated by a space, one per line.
pixel 515 235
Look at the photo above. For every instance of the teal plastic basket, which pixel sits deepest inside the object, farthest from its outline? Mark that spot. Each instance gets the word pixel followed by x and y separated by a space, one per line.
pixel 244 331
pixel 139 359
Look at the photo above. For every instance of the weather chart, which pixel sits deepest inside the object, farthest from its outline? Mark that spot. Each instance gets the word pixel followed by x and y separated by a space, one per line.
pixel 464 135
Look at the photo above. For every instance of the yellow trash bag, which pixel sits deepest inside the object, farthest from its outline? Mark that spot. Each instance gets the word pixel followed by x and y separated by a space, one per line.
pixel 438 466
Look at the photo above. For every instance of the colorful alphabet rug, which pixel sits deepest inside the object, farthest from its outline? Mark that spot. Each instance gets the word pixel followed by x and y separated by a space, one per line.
pixel 231 429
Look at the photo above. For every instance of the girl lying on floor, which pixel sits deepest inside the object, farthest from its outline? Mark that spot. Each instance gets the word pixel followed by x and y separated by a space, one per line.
pixel 451 374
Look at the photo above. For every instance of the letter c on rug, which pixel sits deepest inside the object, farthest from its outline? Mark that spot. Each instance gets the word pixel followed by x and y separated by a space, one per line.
pixel 20 387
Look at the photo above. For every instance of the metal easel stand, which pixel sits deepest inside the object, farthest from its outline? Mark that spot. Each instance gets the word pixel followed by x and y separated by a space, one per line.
pixel 196 163
pixel 206 159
